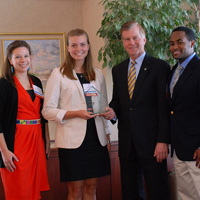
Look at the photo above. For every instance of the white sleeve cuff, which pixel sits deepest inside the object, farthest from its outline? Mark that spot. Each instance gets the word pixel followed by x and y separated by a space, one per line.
pixel 60 116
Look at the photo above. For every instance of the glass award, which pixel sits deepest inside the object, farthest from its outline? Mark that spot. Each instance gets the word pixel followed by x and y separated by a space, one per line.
pixel 96 102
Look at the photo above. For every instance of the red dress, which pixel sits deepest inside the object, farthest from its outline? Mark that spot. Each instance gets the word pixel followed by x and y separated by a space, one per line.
pixel 30 176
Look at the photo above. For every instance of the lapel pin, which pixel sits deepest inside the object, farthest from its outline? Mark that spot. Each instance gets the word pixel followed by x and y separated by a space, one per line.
pixel 145 69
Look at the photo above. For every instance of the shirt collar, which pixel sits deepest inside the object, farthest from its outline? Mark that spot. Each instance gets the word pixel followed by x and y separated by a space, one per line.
pixel 186 61
pixel 140 59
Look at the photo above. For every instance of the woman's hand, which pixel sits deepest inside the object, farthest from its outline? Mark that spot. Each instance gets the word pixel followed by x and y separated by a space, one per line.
pixel 8 158
pixel 84 114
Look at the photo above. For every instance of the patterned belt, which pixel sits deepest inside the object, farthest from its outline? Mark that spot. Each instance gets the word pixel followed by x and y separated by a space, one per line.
pixel 28 122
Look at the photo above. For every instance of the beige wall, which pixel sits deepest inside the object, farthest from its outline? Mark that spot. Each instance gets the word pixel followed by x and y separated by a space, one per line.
pixel 53 16
pixel 29 16
pixel 40 15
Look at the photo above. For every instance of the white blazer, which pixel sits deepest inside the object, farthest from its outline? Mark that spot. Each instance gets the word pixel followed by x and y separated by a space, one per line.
pixel 63 94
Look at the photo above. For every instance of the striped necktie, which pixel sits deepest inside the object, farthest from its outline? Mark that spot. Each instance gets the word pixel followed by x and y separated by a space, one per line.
pixel 177 74
pixel 131 79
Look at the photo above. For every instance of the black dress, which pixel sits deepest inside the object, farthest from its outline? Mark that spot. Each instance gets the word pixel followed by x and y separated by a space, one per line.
pixel 90 160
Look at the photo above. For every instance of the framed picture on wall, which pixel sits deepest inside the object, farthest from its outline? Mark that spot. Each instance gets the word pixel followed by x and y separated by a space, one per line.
pixel 48 52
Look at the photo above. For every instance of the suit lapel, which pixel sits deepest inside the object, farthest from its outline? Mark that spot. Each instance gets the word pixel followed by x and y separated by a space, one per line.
pixel 184 76
pixel 141 76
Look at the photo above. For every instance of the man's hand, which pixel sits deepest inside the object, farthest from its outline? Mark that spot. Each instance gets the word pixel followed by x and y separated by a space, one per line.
pixel 109 114
pixel 197 157
pixel 161 151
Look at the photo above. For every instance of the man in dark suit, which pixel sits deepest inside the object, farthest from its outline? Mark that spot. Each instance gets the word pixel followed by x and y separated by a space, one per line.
pixel 184 87
pixel 141 110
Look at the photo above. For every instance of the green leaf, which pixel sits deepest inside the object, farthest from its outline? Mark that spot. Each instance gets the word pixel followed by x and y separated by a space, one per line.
pixel 104 64
pixel 158 17
pixel 99 56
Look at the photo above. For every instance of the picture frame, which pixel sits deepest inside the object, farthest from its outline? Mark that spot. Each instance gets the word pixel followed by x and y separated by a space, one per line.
pixel 48 51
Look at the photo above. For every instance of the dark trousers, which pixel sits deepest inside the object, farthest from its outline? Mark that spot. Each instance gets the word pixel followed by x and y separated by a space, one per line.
pixel 133 168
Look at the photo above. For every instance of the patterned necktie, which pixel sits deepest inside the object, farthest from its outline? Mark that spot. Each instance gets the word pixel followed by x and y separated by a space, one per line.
pixel 177 74
pixel 131 79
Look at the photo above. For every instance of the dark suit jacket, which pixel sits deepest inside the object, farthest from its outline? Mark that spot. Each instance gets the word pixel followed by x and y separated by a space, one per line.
pixel 185 111
pixel 144 119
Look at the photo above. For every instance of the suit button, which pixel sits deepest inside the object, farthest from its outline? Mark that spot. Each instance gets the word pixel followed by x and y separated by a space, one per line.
pixel 172 112
pixel 131 109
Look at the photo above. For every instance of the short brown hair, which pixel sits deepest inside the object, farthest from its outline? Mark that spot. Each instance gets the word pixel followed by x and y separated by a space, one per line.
pixel 131 24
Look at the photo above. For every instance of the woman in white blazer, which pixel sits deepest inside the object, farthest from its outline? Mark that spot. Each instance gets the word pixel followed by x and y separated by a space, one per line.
pixel 81 137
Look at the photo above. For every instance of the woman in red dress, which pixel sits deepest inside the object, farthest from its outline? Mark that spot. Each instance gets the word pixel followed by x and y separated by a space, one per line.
pixel 22 128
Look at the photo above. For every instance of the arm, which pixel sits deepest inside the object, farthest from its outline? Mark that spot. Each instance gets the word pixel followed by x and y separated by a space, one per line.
pixel 47 138
pixel 83 114
pixel 7 155
pixel 161 150
pixel 51 109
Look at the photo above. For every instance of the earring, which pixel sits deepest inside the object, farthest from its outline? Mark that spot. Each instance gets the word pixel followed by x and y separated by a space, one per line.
pixel 12 69
pixel 28 68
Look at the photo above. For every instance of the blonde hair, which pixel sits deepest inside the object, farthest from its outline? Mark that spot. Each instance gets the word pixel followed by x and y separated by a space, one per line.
pixel 69 64
pixel 131 24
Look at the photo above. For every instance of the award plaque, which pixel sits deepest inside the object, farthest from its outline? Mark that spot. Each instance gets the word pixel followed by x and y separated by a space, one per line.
pixel 96 102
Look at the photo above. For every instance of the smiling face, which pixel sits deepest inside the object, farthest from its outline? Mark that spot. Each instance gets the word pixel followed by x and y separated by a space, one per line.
pixel 20 59
pixel 78 47
pixel 133 42
pixel 180 47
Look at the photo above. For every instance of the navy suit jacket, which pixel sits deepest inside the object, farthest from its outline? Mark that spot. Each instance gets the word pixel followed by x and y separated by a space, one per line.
pixel 142 121
pixel 185 111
